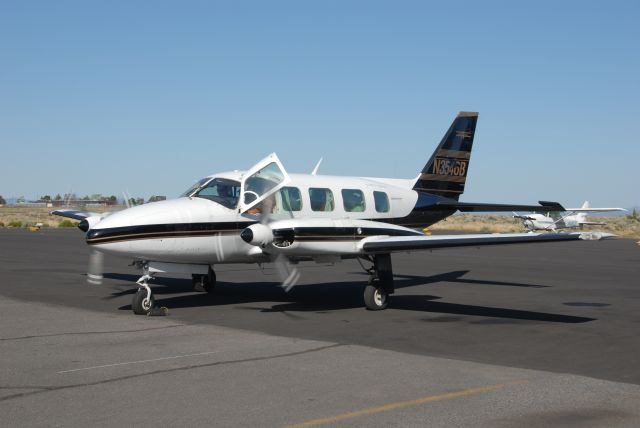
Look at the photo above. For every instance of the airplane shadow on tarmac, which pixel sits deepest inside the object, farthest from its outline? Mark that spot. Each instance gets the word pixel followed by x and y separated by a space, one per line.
pixel 331 296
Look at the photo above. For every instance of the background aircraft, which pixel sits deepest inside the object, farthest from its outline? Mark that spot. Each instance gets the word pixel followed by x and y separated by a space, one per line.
pixel 571 218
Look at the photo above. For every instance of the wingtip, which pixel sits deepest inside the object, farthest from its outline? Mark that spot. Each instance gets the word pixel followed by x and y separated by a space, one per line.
pixel 596 236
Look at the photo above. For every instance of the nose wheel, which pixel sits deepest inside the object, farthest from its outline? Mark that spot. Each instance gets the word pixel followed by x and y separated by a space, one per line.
pixel 143 301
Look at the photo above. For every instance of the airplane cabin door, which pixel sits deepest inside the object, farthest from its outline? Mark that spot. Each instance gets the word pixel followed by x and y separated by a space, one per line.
pixel 261 181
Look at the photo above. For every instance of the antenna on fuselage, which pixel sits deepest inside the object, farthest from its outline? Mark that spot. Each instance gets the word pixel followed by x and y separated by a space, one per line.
pixel 315 170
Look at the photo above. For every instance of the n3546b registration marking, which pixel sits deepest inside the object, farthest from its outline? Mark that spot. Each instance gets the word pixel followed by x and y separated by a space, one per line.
pixel 448 166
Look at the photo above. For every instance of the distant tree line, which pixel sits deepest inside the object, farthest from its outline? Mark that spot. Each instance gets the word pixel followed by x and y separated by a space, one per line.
pixel 96 197
pixel 109 200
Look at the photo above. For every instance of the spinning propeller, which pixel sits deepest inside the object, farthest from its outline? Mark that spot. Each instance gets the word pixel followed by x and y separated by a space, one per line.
pixel 261 235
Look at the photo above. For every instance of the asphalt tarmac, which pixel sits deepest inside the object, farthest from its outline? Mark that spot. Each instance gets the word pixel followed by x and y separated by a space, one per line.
pixel 536 335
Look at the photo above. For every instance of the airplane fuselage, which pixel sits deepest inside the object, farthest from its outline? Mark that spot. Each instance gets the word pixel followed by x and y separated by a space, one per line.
pixel 196 230
pixel 543 222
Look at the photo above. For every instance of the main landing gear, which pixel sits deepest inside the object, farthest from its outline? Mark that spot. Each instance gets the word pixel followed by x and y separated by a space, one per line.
pixel 204 282
pixel 380 284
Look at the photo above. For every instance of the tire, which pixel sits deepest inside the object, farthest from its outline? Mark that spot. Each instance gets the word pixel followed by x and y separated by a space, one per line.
pixel 137 304
pixel 198 282
pixel 204 282
pixel 375 298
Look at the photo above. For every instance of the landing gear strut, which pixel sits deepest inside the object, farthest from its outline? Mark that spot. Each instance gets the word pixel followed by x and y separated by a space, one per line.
pixel 204 282
pixel 380 285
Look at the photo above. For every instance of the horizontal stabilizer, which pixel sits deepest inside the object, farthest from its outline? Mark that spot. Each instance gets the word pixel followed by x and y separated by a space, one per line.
pixel 483 207
pixel 594 210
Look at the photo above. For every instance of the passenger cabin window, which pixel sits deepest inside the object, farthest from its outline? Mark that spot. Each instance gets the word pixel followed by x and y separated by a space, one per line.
pixel 290 199
pixel 382 202
pixel 353 200
pixel 321 199
pixel 286 200
pixel 225 192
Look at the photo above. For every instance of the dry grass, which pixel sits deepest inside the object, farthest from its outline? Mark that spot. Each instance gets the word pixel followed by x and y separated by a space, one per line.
pixel 29 216
pixel 620 226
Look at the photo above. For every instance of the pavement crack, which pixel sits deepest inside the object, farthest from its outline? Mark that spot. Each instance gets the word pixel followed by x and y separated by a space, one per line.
pixel 44 389
pixel 78 333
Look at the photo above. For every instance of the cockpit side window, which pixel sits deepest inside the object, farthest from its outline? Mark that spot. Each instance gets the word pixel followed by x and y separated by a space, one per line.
pixel 220 190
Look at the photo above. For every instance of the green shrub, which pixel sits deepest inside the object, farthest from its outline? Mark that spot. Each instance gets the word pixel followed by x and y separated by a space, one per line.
pixel 15 223
pixel 45 224
pixel 1 224
pixel 66 223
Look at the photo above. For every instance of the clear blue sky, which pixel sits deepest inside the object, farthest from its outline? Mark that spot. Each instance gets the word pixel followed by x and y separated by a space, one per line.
pixel 102 96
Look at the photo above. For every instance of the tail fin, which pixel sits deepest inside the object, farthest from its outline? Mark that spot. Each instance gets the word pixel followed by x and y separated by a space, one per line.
pixel 446 172
pixel 586 205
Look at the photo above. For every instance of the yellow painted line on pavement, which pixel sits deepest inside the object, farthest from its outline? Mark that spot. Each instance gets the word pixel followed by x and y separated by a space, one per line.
pixel 403 404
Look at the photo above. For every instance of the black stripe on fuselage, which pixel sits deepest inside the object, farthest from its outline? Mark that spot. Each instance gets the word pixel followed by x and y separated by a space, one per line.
pixel 170 230
pixel 187 230
pixel 306 234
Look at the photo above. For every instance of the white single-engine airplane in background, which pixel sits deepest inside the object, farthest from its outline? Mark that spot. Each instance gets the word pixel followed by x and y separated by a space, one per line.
pixel 570 219
pixel 267 215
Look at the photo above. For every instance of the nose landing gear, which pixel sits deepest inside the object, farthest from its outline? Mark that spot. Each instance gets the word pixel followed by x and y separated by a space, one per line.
pixel 143 300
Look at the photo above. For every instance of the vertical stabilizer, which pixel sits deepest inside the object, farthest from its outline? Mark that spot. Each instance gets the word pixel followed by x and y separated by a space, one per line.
pixel 446 172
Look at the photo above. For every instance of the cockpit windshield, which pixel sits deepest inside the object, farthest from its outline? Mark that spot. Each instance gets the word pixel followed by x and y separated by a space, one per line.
pixel 198 184
pixel 220 190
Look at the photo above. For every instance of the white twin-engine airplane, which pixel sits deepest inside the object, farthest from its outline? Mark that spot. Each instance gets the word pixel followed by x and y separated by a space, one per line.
pixel 572 218
pixel 267 215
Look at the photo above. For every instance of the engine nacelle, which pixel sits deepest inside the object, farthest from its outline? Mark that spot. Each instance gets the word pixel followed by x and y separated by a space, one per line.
pixel 88 223
pixel 257 234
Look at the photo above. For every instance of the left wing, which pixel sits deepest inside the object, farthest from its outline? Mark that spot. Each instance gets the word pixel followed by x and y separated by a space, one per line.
pixel 387 244
pixel 74 214
pixel 87 219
